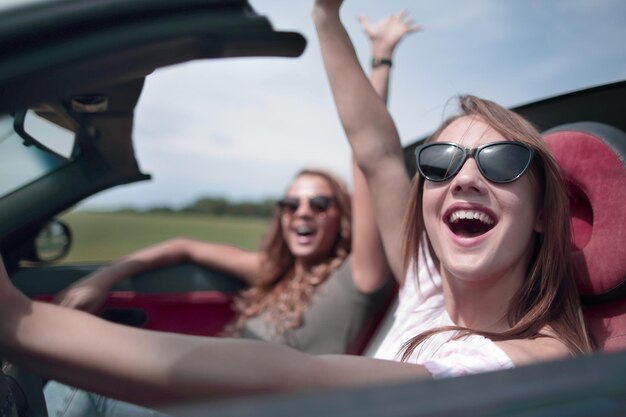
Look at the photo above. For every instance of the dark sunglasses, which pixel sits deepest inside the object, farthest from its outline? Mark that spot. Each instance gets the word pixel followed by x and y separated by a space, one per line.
pixel 318 203
pixel 499 162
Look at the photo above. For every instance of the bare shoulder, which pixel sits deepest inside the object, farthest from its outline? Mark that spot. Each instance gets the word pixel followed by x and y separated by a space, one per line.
pixel 529 351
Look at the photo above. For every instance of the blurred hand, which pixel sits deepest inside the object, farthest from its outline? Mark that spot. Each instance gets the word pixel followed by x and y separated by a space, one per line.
pixel 86 295
pixel 389 31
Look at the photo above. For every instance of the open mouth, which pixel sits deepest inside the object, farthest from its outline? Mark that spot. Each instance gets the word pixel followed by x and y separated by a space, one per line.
pixel 470 223
pixel 305 234
pixel 305 231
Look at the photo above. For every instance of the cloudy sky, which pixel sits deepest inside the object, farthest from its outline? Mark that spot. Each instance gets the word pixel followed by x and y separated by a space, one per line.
pixel 241 128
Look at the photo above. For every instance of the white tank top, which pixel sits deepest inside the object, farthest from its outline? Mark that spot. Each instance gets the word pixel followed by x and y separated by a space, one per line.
pixel 421 307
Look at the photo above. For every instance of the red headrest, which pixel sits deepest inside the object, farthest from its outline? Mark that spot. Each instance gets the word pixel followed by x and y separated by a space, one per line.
pixel 591 157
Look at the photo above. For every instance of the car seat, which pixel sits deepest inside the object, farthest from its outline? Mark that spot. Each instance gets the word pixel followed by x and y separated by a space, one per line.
pixel 592 157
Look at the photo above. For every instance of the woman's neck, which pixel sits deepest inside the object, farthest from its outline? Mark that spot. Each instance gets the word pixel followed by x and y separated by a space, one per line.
pixel 480 304
pixel 306 265
pixel 302 267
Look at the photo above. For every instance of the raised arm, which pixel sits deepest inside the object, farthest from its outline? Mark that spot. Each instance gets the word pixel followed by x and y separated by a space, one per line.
pixel 152 367
pixel 369 128
pixel 369 263
pixel 89 293
pixel 385 35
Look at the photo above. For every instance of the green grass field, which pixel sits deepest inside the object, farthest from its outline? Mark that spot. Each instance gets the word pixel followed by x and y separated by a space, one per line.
pixel 98 237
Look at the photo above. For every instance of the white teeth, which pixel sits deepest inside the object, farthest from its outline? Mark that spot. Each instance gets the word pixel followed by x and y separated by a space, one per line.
pixel 304 230
pixel 470 214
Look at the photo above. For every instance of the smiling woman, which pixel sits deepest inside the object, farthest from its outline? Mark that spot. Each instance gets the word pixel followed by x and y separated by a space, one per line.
pixel 305 243
pixel 507 294
pixel 313 213
pixel 299 275
pixel 512 256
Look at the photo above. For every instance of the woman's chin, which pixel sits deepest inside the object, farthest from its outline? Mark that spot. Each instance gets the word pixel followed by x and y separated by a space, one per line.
pixel 466 268
pixel 304 252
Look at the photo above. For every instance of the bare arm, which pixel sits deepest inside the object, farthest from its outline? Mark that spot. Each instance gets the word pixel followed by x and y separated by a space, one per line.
pixel 369 128
pixel 89 293
pixel 159 368
pixel 369 263
pixel 385 35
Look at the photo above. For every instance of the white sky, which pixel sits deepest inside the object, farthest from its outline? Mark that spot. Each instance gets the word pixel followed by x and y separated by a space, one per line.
pixel 241 128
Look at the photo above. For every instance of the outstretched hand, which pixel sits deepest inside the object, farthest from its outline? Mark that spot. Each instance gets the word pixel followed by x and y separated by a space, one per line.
pixel 386 33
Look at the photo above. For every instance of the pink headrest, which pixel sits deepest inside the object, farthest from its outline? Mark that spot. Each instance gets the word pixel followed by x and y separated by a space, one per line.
pixel 591 157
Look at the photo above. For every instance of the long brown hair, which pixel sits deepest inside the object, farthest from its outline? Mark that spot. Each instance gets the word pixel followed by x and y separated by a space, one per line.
pixel 547 297
pixel 280 292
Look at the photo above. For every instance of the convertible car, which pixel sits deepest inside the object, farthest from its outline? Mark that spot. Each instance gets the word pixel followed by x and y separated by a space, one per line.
pixel 70 76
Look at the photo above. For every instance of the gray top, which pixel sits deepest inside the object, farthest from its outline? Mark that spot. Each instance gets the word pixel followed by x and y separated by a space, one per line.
pixel 338 315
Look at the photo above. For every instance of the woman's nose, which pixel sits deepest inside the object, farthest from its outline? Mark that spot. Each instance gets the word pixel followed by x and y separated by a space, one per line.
pixel 469 179
pixel 304 208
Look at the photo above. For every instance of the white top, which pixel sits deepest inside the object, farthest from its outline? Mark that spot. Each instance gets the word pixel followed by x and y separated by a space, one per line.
pixel 421 307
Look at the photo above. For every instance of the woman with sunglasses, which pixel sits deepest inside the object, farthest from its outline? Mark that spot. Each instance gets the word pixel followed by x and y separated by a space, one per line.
pixel 497 233
pixel 308 238
pixel 489 208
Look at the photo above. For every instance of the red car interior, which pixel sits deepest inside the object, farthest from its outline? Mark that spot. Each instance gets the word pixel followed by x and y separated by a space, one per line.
pixel 592 158
pixel 202 313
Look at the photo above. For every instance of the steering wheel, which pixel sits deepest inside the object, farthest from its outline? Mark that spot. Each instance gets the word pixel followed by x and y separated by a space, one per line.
pixel 21 393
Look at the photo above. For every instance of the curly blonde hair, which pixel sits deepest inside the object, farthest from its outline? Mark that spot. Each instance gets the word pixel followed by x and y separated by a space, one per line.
pixel 281 294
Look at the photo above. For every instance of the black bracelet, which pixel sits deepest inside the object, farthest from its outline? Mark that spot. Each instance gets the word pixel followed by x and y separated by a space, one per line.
pixel 377 62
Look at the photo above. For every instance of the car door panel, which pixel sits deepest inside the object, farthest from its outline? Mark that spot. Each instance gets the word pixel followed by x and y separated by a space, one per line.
pixel 184 299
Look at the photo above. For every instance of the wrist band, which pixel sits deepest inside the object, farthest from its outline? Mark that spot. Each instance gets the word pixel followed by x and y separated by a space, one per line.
pixel 377 62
